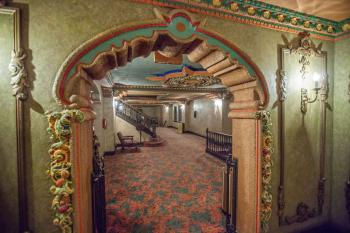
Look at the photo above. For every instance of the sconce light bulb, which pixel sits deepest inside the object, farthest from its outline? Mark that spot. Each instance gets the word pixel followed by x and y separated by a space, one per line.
pixel 316 77
pixel 218 102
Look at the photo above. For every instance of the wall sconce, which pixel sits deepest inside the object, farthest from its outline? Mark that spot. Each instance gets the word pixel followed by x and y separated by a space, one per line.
pixel 218 102
pixel 305 98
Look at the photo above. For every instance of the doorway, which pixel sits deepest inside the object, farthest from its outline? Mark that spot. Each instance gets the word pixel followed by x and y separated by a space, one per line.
pixel 171 34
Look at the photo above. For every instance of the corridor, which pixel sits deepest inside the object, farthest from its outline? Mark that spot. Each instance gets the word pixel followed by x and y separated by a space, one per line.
pixel 172 188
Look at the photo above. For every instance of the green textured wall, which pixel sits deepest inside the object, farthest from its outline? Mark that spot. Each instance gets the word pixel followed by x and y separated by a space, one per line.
pixel 341 149
pixel 52 29
pixel 8 164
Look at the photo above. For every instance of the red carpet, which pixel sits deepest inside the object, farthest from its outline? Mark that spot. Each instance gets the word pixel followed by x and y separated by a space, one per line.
pixel 173 188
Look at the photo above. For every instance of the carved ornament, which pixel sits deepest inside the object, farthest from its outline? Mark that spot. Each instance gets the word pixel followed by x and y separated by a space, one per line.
pixel 187 77
pixel 266 170
pixel 60 170
pixel 262 15
pixel 302 214
pixel 306 49
pixel 19 75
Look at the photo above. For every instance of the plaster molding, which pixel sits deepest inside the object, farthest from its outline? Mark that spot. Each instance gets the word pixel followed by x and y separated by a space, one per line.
pixel 60 170
pixel 121 87
pixel 236 68
pixel 305 49
pixel 262 15
pixel 266 170
pixel 283 86
pixel 20 91
pixel 19 75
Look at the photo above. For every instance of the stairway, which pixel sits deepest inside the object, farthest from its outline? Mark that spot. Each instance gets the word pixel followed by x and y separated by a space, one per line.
pixel 140 120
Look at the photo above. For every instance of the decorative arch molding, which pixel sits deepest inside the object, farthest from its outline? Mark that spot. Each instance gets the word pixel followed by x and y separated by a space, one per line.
pixel 170 34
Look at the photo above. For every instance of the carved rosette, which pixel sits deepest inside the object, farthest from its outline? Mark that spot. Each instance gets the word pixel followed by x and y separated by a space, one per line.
pixel 18 75
pixel 60 166
pixel 266 169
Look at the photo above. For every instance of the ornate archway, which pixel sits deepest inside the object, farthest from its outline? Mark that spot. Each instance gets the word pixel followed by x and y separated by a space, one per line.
pixel 170 34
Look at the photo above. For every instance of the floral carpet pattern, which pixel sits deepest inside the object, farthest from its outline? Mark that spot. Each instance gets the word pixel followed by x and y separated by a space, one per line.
pixel 172 188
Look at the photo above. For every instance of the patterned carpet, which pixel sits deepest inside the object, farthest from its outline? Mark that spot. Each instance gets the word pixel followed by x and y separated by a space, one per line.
pixel 173 188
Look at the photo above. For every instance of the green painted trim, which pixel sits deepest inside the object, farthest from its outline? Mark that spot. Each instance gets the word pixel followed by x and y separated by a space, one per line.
pixel 327 28
pixel 189 31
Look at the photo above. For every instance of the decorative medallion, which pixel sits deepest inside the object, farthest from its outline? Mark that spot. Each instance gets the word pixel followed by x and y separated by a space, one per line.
pixel 266 169
pixel 60 166
pixel 188 76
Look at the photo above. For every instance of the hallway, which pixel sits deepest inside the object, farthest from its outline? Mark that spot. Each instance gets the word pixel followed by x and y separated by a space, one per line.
pixel 173 188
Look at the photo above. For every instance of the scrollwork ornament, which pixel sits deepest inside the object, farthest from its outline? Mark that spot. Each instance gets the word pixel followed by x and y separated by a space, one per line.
pixel 60 166
pixel 283 86
pixel 305 50
pixel 191 81
pixel 19 75
pixel 266 170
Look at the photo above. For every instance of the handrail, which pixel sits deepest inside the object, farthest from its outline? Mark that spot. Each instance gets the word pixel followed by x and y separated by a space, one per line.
pixel 218 144
pixel 140 120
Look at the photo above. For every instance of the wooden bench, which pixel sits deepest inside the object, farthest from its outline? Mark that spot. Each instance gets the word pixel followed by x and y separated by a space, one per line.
pixel 126 141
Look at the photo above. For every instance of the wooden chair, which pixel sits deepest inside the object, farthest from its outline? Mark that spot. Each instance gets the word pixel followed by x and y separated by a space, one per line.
pixel 126 141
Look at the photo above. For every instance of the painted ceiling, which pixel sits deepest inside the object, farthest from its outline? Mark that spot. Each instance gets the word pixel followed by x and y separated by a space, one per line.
pixel 141 70
pixel 336 10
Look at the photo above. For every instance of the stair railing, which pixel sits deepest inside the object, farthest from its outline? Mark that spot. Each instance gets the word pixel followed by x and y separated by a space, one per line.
pixel 218 144
pixel 140 120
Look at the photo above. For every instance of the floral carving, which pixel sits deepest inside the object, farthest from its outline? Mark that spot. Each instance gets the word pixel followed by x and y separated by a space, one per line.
pixel 283 86
pixel 19 74
pixel 60 166
pixel 191 81
pixel 266 169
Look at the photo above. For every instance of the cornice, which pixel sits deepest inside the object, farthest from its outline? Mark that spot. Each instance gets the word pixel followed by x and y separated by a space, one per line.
pixel 121 87
pixel 263 15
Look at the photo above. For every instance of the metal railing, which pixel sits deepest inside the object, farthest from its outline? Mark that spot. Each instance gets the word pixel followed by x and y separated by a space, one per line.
pixel 218 144
pixel 98 190
pixel 140 120
pixel 231 180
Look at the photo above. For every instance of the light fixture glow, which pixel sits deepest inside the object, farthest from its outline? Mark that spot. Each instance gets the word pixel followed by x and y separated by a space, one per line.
pixel 218 102
pixel 316 77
